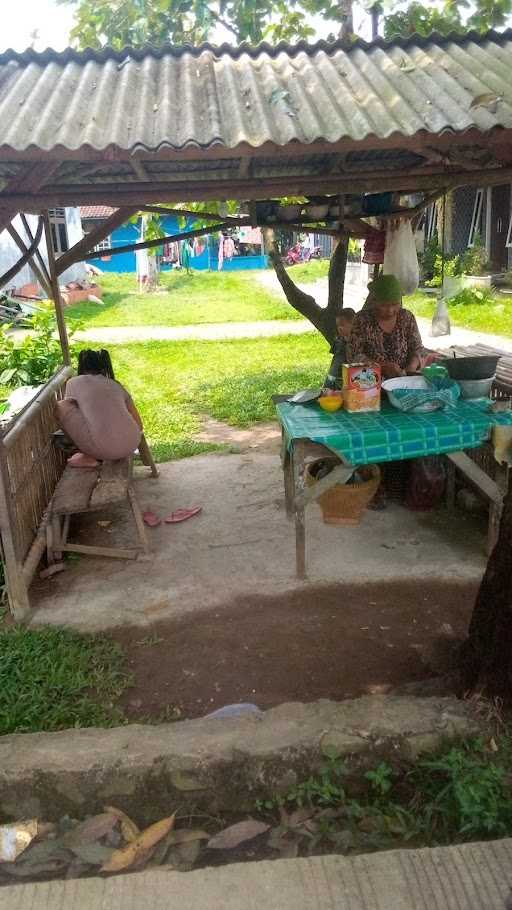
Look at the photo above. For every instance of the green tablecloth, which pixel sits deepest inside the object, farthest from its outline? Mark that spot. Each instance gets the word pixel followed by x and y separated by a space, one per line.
pixel 389 434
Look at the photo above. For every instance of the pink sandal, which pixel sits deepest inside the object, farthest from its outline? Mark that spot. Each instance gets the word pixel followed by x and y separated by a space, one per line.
pixel 150 519
pixel 182 515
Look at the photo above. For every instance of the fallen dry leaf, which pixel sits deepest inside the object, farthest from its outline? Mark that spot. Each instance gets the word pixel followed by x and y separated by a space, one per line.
pixel 129 829
pixel 184 856
pixel 93 854
pixel 236 834
pixel 91 830
pixel 488 100
pixel 135 851
pixel 186 836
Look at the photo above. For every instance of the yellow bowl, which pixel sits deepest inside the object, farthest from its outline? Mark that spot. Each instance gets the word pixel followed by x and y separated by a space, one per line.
pixel 330 402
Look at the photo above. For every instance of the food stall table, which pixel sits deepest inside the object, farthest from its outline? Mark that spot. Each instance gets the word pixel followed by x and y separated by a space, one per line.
pixel 308 433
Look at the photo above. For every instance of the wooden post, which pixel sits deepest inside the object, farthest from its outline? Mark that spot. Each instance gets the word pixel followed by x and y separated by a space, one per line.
pixel 57 298
pixel 17 590
pixel 300 527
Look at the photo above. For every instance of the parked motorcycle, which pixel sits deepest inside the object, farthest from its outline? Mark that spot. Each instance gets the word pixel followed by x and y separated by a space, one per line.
pixel 299 253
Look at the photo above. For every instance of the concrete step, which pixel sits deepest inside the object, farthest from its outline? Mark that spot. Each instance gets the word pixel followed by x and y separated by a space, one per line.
pixel 468 877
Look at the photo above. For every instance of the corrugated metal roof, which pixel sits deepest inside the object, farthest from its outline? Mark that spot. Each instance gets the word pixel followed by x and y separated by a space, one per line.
pixel 155 98
pixel 96 211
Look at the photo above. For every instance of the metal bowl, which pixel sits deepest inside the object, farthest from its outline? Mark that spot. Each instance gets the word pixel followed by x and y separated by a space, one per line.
pixel 480 367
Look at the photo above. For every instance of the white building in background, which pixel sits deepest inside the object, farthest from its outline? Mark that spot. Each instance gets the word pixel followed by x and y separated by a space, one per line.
pixel 66 226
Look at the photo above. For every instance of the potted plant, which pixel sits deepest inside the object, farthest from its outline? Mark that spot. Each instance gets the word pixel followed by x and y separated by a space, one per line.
pixel 475 266
pixel 453 280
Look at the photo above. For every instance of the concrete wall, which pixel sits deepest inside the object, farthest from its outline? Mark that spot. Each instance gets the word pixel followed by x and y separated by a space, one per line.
pixel 10 254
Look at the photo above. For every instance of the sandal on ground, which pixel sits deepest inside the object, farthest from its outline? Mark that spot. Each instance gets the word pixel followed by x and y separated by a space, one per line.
pixel 182 515
pixel 151 519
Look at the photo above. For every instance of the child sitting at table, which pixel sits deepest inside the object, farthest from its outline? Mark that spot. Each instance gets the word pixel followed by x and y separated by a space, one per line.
pixel 339 348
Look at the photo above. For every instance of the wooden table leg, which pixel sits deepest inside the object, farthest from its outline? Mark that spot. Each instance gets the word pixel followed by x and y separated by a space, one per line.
pixel 496 508
pixel 286 464
pixel 298 465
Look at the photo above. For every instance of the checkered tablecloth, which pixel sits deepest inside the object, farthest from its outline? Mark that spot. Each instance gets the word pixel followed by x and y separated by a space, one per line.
pixel 389 434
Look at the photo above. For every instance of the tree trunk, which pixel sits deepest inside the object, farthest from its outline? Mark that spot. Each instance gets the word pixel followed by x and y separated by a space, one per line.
pixel 487 654
pixel 323 318
pixel 375 16
pixel 347 20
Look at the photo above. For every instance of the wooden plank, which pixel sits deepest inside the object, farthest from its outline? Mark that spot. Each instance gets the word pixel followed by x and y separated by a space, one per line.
pixel 74 490
pixel 120 553
pixel 340 474
pixel 138 193
pixel 112 486
pixel 476 476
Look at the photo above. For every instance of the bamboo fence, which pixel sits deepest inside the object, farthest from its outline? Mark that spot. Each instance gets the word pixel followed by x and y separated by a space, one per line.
pixel 30 468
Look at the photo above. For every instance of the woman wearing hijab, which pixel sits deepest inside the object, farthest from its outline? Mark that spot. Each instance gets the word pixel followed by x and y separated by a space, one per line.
pixel 386 333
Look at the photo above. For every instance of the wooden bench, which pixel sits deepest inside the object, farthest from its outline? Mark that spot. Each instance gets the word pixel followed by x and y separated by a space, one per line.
pixel 82 490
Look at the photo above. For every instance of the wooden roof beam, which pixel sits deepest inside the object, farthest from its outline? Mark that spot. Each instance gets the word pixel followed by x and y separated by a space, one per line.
pixel 139 170
pixel 134 195
pixel 10 273
pixel 42 277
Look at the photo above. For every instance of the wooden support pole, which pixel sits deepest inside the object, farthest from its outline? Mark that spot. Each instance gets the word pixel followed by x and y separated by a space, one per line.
pixel 17 590
pixel 43 279
pixel 55 289
pixel 188 213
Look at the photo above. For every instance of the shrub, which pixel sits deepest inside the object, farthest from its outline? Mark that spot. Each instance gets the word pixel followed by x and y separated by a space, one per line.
pixel 452 267
pixel 38 356
pixel 473 297
pixel 475 260
pixel 427 259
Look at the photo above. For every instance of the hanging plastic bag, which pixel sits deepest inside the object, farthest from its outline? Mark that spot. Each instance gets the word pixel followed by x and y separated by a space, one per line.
pixel 400 257
pixel 441 321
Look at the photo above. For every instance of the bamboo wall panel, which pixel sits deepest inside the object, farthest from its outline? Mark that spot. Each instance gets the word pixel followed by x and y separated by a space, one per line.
pixel 34 464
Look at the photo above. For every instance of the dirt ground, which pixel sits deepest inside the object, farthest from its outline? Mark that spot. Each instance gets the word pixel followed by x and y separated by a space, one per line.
pixel 328 642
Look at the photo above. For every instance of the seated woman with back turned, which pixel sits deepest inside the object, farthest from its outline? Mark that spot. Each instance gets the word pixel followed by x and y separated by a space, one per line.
pixel 386 333
pixel 97 413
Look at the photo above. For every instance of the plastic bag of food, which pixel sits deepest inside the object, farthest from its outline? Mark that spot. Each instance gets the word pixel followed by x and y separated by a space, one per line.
pixel 400 257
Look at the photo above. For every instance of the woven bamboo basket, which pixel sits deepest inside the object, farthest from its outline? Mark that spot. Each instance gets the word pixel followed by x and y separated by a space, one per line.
pixel 344 504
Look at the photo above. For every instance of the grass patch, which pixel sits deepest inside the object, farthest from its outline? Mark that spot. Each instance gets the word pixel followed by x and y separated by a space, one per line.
pixel 461 793
pixel 309 272
pixel 493 317
pixel 175 383
pixel 198 298
pixel 52 679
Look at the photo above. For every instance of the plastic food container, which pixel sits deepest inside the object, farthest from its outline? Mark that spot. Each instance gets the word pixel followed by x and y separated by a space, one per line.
pixel 475 388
